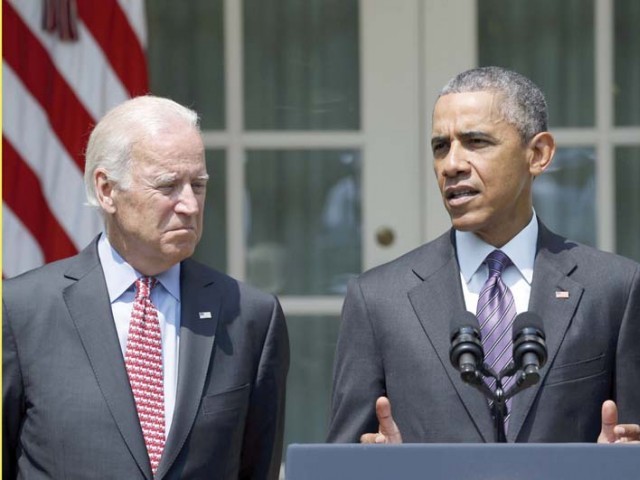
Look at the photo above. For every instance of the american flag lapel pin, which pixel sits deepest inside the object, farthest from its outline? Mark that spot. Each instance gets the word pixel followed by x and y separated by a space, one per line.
pixel 204 315
pixel 563 294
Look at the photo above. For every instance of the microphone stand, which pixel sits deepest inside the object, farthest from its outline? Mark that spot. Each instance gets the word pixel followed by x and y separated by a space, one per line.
pixel 526 378
pixel 475 378
pixel 500 412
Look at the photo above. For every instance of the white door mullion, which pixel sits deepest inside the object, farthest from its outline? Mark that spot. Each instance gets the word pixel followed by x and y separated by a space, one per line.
pixel 443 55
pixel 605 171
pixel 302 140
pixel 391 176
pixel 575 137
pixel 626 136
pixel 301 306
pixel 235 151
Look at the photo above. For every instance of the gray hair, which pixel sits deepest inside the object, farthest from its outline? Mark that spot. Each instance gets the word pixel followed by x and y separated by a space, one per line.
pixel 523 105
pixel 112 139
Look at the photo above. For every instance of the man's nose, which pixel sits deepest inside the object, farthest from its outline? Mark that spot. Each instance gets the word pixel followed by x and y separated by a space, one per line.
pixel 456 161
pixel 187 202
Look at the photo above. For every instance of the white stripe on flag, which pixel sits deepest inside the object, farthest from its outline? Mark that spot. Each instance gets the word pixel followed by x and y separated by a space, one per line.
pixel 134 11
pixel 62 182
pixel 87 71
pixel 20 252
pixel 82 64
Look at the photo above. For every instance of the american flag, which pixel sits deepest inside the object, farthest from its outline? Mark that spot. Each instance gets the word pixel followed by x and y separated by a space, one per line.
pixel 65 63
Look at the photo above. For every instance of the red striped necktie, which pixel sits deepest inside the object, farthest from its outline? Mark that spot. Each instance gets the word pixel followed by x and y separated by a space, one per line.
pixel 143 359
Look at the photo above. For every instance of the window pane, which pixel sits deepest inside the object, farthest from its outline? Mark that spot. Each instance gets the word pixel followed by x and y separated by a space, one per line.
pixel 549 41
pixel 628 202
pixel 301 65
pixel 303 220
pixel 627 57
pixel 313 343
pixel 186 56
pixel 565 195
pixel 212 249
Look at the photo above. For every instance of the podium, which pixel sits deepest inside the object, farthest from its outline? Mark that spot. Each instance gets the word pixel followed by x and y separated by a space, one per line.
pixel 563 461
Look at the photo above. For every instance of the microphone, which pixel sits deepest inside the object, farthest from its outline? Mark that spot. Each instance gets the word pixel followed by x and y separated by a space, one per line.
pixel 467 356
pixel 529 347
pixel 466 353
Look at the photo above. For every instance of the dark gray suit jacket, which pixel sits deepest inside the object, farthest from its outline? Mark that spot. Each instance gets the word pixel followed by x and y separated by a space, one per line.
pixel 394 341
pixel 68 410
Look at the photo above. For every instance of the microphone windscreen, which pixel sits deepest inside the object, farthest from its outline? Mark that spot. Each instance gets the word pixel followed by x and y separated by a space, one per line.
pixel 463 319
pixel 527 320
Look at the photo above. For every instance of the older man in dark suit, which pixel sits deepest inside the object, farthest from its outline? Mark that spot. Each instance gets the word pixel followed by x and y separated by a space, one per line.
pixel 489 142
pixel 131 360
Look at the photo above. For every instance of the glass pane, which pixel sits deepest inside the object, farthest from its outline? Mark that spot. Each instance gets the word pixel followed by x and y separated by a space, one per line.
pixel 627 58
pixel 186 56
pixel 303 220
pixel 628 202
pixel 549 41
pixel 212 249
pixel 301 65
pixel 565 195
pixel 313 343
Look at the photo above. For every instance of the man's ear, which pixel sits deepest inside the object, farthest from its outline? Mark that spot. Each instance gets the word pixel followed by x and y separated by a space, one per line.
pixel 105 189
pixel 542 147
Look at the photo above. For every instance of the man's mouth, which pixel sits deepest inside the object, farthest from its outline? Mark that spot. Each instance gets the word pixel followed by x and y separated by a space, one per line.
pixel 460 193
pixel 181 228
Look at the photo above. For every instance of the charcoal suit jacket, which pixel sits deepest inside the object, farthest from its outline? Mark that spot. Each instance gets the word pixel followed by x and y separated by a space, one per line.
pixel 395 338
pixel 68 410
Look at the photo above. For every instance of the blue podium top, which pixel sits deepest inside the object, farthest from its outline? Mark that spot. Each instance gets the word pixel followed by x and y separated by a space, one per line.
pixel 566 461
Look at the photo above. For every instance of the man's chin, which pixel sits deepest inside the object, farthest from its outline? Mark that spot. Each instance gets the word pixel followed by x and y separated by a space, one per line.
pixel 465 222
pixel 179 251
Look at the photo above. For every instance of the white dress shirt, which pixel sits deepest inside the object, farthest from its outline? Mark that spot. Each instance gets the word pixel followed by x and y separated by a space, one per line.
pixel 521 249
pixel 120 278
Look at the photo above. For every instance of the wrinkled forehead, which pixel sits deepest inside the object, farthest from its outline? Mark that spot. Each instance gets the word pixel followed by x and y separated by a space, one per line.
pixel 468 111
pixel 169 150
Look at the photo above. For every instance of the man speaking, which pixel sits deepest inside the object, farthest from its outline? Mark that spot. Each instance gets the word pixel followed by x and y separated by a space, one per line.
pixel 489 143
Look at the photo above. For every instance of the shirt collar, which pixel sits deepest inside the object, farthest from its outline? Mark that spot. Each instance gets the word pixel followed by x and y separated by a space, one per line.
pixel 119 275
pixel 521 249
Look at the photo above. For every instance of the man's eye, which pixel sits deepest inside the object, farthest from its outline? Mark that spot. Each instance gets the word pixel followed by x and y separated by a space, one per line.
pixel 199 187
pixel 478 142
pixel 438 148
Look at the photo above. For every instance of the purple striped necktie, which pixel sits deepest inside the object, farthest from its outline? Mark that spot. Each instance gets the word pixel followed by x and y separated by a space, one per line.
pixel 496 312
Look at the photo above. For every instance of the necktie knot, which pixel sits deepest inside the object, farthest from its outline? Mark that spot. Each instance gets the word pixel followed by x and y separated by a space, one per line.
pixel 144 285
pixel 497 261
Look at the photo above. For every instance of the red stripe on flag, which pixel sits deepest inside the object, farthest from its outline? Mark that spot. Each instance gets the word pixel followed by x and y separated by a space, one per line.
pixel 111 29
pixel 27 57
pixel 22 192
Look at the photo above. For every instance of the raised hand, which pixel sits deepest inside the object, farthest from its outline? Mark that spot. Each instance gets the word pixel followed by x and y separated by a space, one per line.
pixel 611 431
pixel 388 430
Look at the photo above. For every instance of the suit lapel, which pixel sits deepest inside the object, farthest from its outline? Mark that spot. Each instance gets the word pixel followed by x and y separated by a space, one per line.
pixel 88 303
pixel 435 301
pixel 197 335
pixel 552 268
